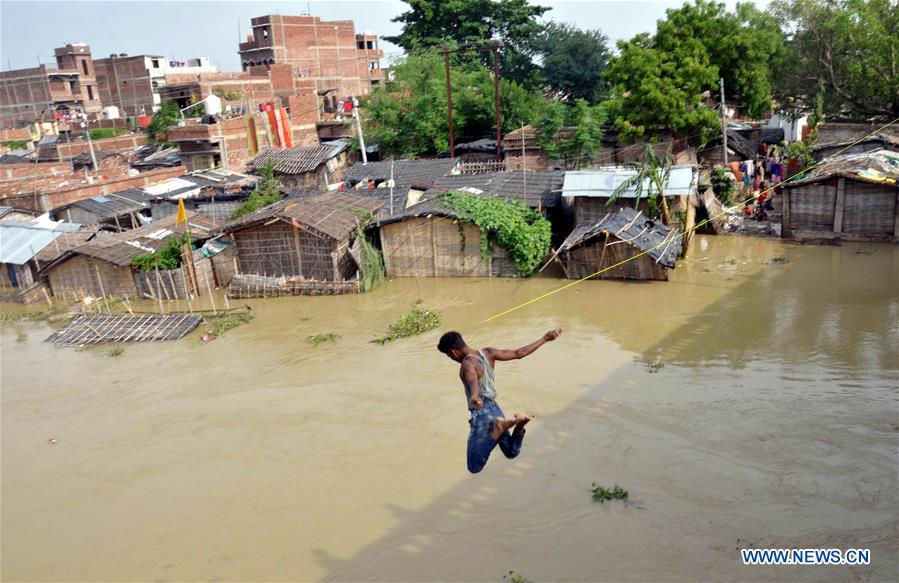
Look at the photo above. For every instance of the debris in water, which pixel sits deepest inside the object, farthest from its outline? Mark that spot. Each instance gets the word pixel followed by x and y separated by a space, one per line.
pixel 515 577
pixel 53 441
pixel 317 339
pixel 418 321
pixel 655 366
pixel 601 493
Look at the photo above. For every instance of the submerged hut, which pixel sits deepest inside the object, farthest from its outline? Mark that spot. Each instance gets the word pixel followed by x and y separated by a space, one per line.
pixel 430 239
pixel 411 178
pixel 853 198
pixel 616 237
pixel 127 209
pixel 102 266
pixel 307 237
pixel 588 192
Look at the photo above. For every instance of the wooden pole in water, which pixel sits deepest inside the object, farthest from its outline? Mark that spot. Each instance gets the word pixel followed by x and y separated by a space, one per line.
pixel 187 290
pixel 127 304
pixel 47 296
pixel 227 303
pixel 102 288
pixel 211 298
pixel 158 293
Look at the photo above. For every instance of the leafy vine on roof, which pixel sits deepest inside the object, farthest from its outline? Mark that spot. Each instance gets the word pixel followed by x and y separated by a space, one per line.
pixel 522 232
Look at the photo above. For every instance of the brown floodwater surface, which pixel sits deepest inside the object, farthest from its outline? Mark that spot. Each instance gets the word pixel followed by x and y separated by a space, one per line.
pixel 746 403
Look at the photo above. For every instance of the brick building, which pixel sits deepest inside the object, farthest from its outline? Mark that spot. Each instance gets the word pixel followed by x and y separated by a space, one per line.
pixel 38 93
pixel 135 84
pixel 340 62
pixel 131 83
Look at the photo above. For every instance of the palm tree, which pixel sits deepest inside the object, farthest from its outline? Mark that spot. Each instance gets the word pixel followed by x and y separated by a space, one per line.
pixel 650 181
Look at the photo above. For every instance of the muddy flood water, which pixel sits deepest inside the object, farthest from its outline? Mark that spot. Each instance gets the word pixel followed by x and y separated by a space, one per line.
pixel 746 403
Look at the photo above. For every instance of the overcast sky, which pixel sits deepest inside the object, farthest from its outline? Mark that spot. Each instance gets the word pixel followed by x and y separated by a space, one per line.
pixel 29 30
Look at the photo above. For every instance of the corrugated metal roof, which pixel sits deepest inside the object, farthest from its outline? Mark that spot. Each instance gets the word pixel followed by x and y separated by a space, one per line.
pixel 602 183
pixel 877 167
pixel 21 241
pixel 297 160
pixel 659 242
pixel 541 186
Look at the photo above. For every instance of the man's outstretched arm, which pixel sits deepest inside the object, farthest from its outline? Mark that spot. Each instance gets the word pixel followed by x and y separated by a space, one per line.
pixel 501 354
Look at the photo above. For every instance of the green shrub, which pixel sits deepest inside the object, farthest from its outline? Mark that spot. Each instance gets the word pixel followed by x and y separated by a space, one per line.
pixel 15 144
pixel 166 257
pixel 521 231
pixel 267 191
pixel 722 186
pixel 601 493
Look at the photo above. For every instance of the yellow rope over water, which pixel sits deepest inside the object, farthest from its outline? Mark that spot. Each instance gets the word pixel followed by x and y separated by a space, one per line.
pixel 696 226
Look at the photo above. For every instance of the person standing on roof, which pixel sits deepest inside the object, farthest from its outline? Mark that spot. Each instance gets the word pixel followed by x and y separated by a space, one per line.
pixel 489 425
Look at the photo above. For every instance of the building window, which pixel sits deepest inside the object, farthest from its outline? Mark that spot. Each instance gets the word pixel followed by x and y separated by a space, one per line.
pixel 360 45
pixel 90 92
pixel 265 32
pixel 369 45
pixel 73 87
pixel 84 66
pixel 155 63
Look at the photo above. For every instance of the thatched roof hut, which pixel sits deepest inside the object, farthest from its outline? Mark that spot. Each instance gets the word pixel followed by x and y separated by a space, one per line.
pixel 305 166
pixel 536 189
pixel 430 239
pixel 616 237
pixel 102 266
pixel 411 178
pixel 853 197
pixel 307 237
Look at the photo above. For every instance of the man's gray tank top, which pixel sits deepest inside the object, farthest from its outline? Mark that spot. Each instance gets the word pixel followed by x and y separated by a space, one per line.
pixel 485 382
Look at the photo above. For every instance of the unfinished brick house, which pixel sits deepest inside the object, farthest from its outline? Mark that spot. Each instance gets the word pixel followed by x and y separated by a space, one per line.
pixel 341 62
pixel 38 93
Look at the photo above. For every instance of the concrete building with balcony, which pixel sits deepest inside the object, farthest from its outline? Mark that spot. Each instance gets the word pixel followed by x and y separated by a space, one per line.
pixel 40 93
pixel 340 62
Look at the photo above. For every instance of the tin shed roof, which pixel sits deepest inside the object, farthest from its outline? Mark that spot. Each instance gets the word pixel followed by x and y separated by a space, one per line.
pixel 602 183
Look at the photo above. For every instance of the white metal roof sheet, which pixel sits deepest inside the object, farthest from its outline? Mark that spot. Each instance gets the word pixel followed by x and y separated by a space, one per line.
pixel 21 241
pixel 602 183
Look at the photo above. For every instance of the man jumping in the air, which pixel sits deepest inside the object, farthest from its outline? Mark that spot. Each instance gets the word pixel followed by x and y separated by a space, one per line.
pixel 489 425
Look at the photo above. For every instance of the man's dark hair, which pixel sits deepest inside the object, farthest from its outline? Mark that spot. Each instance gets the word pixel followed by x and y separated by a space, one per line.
pixel 449 341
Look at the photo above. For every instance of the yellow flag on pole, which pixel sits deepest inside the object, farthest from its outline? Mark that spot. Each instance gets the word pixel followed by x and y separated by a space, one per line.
pixel 182 212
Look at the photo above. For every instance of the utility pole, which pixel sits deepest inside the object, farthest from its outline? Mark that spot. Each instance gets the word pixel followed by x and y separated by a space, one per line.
pixel 449 102
pixel 499 136
pixel 723 119
pixel 391 187
pixel 359 129
pixel 90 144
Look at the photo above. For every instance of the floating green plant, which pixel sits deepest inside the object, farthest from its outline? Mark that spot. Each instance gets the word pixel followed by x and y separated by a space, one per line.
pixel 416 322
pixel 601 493
pixel 317 339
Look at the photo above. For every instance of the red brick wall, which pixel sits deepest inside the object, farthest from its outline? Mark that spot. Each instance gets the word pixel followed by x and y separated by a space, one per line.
pixel 69 151
pixel 24 96
pixel 42 170
pixel 126 83
pixel 48 201
pixel 303 115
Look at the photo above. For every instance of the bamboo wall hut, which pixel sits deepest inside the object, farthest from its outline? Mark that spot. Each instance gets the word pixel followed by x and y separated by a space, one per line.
pixel 102 266
pixel 305 237
pixel 431 240
pixel 619 235
pixel 588 191
pixel 852 198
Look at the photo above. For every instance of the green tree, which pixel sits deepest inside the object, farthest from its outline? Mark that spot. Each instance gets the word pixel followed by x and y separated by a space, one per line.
pixel 650 182
pixel 268 191
pixel 657 87
pixel 850 46
pixel 663 80
pixel 744 46
pixel 574 61
pixel 571 133
pixel 165 117
pixel 408 116
pixel 437 23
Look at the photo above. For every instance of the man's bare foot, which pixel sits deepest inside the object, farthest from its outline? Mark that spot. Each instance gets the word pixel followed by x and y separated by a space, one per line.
pixel 501 425
pixel 521 419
